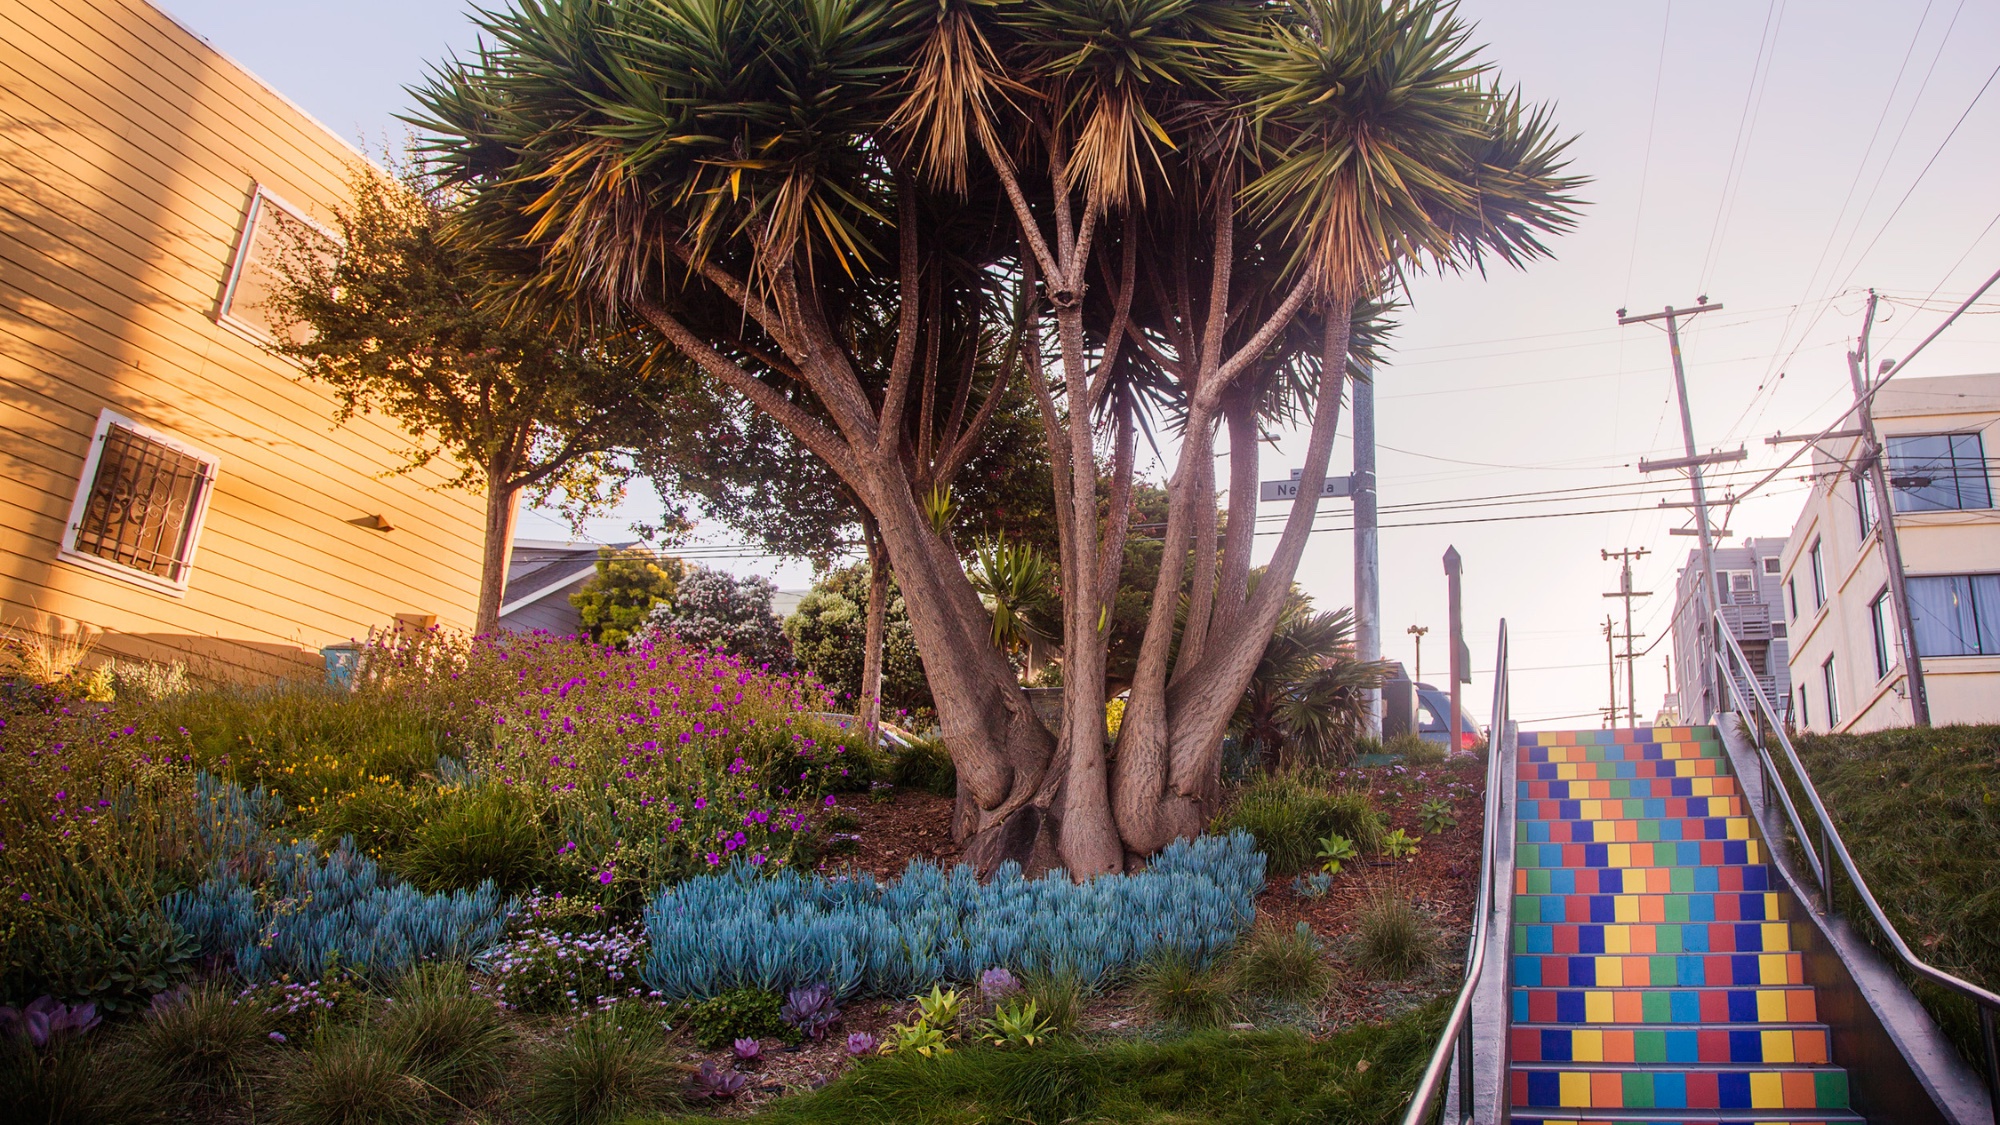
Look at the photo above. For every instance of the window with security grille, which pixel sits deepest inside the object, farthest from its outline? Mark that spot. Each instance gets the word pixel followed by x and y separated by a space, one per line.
pixel 1938 473
pixel 140 505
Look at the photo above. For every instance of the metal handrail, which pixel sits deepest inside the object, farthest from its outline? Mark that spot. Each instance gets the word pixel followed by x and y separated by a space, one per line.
pixel 1832 847
pixel 1457 1035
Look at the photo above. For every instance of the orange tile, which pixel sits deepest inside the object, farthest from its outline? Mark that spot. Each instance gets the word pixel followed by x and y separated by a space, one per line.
pixel 1618 1046
pixel 1652 908
pixel 1809 1048
pixel 1799 1006
pixel 1628 1007
pixel 1607 1090
pixel 1645 939
pixel 1799 1093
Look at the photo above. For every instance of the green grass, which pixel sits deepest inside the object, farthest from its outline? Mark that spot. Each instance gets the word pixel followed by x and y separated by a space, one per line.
pixel 1289 814
pixel 1920 811
pixel 1211 1078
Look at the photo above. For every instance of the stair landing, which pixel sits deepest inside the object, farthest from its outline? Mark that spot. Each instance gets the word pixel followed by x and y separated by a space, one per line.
pixel 1654 978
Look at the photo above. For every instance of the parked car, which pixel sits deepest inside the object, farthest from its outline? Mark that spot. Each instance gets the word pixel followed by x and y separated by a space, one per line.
pixel 1434 719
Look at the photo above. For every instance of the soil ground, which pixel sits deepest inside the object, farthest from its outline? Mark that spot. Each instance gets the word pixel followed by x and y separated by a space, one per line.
pixel 884 830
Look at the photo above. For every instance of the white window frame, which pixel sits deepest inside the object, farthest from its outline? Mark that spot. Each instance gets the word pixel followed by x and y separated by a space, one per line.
pixel 260 197
pixel 1818 576
pixel 197 516
pixel 1771 566
pixel 1879 611
pixel 1828 675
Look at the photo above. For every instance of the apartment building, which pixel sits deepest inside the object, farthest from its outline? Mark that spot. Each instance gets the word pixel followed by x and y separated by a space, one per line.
pixel 1748 590
pixel 1846 652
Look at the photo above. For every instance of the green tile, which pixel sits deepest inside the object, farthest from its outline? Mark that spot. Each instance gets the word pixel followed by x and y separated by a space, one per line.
pixel 1676 908
pixel 1638 1089
pixel 1649 830
pixel 1830 1088
pixel 1538 882
pixel 1657 1007
pixel 1662 971
pixel 1667 939
pixel 1681 881
pixel 1650 1046
pixel 1527 908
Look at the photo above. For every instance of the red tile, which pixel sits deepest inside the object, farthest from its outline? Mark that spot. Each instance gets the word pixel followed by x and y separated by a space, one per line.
pixel 1527 1044
pixel 1702 1092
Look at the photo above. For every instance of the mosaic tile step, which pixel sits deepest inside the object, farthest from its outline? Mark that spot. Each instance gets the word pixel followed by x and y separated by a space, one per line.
pixel 1654 1046
pixel 1682 853
pixel 1657 970
pixel 1614 737
pixel 1718 907
pixel 1626 787
pixel 1590 771
pixel 1631 831
pixel 1653 1117
pixel 1751 877
pixel 1654 937
pixel 1627 752
pixel 1650 1117
pixel 1553 1087
pixel 1665 1005
pixel 1635 808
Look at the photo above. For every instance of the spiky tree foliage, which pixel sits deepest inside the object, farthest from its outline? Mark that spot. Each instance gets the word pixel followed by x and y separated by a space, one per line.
pixel 1178 207
pixel 1308 695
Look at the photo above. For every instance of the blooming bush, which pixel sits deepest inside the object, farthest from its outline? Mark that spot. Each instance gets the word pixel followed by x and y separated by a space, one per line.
pixel 551 969
pixel 732 930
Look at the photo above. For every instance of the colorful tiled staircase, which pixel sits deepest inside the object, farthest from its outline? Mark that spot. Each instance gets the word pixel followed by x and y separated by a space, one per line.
pixel 1654 976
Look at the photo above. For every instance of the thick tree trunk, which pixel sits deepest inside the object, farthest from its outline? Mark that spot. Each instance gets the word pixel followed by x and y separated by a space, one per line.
pixel 869 706
pixel 502 502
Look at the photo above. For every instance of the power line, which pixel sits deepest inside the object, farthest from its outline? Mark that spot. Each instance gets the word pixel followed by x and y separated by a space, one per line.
pixel 1646 163
pixel 1732 180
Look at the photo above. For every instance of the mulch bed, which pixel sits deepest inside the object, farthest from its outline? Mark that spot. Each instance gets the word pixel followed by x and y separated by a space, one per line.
pixel 886 829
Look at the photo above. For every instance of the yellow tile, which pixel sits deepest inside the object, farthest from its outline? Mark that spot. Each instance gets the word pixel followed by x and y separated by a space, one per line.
pixel 1625 908
pixel 1574 1091
pixel 1586 1046
pixel 1753 852
pixel 1617 939
pixel 1771 968
pixel 1777 935
pixel 1597 1008
pixel 1611 972
pixel 1778 1047
pixel 1767 1090
pixel 1770 1007
pixel 1618 855
pixel 1737 829
pixel 1702 786
pixel 1771 907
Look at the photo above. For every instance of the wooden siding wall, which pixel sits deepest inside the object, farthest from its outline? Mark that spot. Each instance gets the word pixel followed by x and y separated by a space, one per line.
pixel 129 150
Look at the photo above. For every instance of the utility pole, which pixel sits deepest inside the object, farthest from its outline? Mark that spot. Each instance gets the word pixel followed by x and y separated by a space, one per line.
pixel 1418 632
pixel 1367 568
pixel 1611 671
pixel 1693 462
pixel 1885 520
pixel 1625 591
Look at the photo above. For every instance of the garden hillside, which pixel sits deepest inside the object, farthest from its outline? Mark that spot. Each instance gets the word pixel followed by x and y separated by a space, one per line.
pixel 657 880
pixel 1920 810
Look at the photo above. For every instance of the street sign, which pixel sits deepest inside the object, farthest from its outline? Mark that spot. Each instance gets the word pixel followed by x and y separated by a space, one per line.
pixel 1289 489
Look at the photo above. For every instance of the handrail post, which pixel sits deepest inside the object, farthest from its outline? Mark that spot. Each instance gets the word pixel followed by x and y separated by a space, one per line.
pixel 1991 1042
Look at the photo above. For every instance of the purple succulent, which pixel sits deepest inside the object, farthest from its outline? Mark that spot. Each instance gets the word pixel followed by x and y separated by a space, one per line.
pixel 46 1020
pixel 748 1052
pixel 712 1081
pixel 997 984
pixel 810 1010
pixel 860 1043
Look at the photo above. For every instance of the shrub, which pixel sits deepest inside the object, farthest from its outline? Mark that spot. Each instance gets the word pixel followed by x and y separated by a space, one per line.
pixel 550 970
pixel 1016 1025
pixel 610 1065
pixel 924 764
pixel 713 609
pixel 1282 964
pixel 1437 816
pixel 1394 939
pixel 628 585
pixel 66 1083
pixel 740 1013
pixel 1180 991
pixel 486 833
pixel 201 1045
pixel 828 632
pixel 736 930
pixel 1289 816
pixel 351 1077
pixel 1417 750
pixel 448 1038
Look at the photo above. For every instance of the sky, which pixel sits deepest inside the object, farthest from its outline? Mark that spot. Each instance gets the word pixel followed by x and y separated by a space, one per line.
pixel 1780 158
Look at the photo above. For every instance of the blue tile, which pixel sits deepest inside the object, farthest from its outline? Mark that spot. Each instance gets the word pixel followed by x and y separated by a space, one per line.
pixel 1733 1086
pixel 1555 1046
pixel 1544 1089
pixel 1742 1007
pixel 1746 1046
pixel 1683 1047
pixel 1570 1007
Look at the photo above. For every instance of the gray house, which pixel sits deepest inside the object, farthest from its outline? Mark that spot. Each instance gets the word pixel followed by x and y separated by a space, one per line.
pixel 1749 588
pixel 540 578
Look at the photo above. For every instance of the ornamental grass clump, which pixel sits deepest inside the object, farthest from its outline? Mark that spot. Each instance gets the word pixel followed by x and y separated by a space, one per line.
pixel 450 1039
pixel 1282 964
pixel 611 1065
pixel 1177 989
pixel 1393 939
pixel 1289 816
pixel 201 1045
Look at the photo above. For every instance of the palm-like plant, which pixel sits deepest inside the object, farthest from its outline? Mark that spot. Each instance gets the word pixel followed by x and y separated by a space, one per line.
pixel 1308 696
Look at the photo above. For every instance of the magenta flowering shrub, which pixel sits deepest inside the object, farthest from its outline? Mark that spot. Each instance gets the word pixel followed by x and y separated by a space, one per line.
pixel 651 763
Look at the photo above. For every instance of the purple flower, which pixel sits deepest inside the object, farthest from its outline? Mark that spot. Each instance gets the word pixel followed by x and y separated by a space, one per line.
pixel 747 1051
pixel 997 984
pixel 860 1043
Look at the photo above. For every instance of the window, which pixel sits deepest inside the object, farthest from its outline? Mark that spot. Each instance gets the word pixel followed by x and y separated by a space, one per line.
pixel 1956 615
pixel 1743 587
pixel 1805 713
pixel 1879 611
pixel 1938 473
pixel 1832 694
pixel 1778 630
pixel 139 505
pixel 1864 505
pixel 1771 565
pixel 1792 599
pixel 276 238
pixel 1818 576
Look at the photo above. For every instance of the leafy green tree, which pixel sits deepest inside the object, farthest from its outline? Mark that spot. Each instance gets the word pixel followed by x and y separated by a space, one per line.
pixel 829 635
pixel 1182 207
pixel 520 401
pixel 628 585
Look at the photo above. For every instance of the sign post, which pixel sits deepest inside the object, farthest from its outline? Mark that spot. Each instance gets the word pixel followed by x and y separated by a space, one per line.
pixel 1461 670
